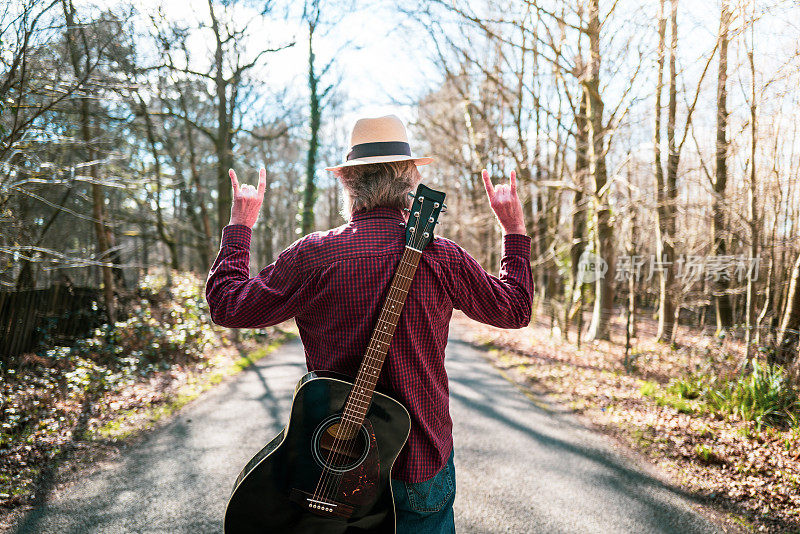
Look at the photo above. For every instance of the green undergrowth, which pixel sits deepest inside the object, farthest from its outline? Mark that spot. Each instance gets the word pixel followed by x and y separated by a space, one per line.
pixel 47 392
pixel 764 395
pixel 121 379
pixel 131 422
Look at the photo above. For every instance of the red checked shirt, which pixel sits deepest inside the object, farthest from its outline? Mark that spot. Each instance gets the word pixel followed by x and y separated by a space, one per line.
pixel 334 284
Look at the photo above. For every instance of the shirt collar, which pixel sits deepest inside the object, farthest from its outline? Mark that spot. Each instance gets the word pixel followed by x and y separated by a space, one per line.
pixel 382 212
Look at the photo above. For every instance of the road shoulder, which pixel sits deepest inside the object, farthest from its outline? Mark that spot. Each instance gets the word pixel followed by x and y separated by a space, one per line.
pixel 109 434
pixel 728 518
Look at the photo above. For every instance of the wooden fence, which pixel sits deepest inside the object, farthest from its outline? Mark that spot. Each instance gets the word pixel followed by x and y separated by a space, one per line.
pixel 32 318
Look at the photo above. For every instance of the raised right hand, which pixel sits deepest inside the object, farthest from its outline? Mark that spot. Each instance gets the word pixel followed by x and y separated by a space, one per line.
pixel 505 203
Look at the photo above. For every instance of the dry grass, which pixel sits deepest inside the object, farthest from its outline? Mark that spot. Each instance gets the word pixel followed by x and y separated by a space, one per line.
pixel 754 475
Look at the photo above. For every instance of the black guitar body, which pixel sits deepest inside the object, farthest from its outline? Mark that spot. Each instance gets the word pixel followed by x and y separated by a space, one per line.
pixel 285 489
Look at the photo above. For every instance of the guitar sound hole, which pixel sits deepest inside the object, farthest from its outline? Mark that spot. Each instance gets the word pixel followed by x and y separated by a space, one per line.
pixel 333 449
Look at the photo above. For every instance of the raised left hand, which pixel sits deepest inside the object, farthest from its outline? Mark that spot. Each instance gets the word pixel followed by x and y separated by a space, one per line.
pixel 247 199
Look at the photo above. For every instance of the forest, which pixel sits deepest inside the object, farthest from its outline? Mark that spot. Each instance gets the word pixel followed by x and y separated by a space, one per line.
pixel 656 147
pixel 670 157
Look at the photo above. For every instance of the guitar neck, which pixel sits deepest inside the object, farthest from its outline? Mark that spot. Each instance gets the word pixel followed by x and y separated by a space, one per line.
pixel 361 395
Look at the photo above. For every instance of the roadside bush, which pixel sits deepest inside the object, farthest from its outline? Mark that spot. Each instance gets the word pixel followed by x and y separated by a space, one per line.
pixel 690 387
pixel 166 327
pixel 765 396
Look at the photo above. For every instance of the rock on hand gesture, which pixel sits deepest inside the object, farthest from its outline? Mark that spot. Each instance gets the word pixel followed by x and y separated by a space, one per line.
pixel 247 199
pixel 505 203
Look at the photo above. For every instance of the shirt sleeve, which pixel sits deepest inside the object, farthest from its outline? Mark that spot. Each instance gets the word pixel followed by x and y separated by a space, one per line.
pixel 236 300
pixel 506 301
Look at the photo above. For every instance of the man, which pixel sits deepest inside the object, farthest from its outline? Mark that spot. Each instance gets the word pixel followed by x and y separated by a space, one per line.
pixel 334 283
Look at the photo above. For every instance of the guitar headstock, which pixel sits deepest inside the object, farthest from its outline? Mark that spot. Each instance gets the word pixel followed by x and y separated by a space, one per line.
pixel 423 215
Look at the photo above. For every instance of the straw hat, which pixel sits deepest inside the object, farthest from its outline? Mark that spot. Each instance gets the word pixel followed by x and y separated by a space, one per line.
pixel 378 140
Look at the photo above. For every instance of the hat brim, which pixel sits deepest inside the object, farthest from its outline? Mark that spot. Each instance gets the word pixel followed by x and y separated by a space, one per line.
pixel 382 159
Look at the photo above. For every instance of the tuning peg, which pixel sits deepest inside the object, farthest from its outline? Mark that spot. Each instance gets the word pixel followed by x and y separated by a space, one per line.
pixel 444 208
pixel 407 209
pixel 410 194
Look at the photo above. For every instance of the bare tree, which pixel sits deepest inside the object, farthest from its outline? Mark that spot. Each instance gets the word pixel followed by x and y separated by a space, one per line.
pixel 82 64
pixel 722 301
pixel 787 338
pixel 604 286
pixel 752 207
pixel 662 241
pixel 226 74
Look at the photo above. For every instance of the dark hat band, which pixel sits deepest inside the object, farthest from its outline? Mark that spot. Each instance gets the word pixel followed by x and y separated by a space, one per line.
pixel 379 148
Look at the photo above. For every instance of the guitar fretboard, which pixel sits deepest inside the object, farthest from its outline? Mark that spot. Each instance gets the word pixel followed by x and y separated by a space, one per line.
pixel 360 397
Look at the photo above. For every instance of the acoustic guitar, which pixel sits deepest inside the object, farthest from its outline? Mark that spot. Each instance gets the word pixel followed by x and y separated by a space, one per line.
pixel 329 469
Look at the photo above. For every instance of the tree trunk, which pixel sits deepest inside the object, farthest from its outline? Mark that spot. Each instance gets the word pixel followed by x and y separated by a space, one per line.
pixel 752 207
pixel 664 314
pixel 168 238
pixel 310 191
pixel 87 132
pixel 604 296
pixel 267 231
pixel 668 296
pixel 630 327
pixel 786 344
pixel 722 301
pixel 204 241
pixel 767 303
pixel 223 141
pixel 578 210
pixel 553 219
pixel 25 278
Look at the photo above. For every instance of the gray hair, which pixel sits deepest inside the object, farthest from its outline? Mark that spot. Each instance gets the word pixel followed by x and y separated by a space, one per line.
pixel 371 185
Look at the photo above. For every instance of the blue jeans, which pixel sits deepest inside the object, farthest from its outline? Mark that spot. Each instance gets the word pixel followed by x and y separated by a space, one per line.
pixel 426 507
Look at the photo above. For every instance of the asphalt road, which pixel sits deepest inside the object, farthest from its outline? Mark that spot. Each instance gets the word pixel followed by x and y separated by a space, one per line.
pixel 520 467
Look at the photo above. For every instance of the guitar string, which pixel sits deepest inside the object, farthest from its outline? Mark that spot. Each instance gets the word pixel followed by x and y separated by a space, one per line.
pixel 329 478
pixel 348 423
pixel 407 282
pixel 322 484
pixel 345 423
pixel 336 482
pixel 360 384
pixel 408 285
pixel 333 482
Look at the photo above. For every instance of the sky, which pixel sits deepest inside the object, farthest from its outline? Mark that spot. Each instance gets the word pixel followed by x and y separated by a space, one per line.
pixel 389 54
pixel 382 62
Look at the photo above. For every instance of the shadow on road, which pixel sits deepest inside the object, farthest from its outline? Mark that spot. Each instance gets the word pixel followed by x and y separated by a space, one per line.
pixel 178 477
pixel 561 452
pixel 521 468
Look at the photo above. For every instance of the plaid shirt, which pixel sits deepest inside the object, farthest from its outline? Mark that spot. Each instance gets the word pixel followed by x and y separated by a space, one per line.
pixel 334 284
